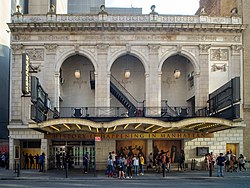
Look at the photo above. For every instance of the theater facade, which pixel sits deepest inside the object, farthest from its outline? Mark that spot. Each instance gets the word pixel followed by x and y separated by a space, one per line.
pixel 125 83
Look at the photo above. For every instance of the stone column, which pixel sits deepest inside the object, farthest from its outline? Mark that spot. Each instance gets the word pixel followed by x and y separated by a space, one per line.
pixel 201 79
pixel 50 77
pixel 15 83
pixel 149 148
pixel 153 85
pixel 45 149
pixel 236 62
pixel 102 84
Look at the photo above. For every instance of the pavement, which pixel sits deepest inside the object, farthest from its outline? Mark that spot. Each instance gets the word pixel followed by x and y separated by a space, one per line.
pixel 77 174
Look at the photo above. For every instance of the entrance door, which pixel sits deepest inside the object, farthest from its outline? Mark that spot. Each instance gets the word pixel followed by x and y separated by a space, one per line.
pixel 232 147
pixel 77 153
pixel 91 152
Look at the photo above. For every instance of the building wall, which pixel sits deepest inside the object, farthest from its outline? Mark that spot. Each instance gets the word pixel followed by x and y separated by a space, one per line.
pixel 246 76
pixel 222 8
pixel 50 51
pixel 4 67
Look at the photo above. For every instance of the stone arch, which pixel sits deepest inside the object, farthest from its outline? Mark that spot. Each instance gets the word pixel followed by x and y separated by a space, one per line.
pixel 123 52
pixel 72 52
pixel 183 53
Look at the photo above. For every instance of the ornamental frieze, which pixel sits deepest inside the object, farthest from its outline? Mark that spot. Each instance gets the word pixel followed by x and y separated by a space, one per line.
pixel 53 37
pixel 219 54
pixel 35 54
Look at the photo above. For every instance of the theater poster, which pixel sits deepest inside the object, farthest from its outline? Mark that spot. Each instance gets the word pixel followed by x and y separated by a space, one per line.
pixel 171 147
pixel 131 147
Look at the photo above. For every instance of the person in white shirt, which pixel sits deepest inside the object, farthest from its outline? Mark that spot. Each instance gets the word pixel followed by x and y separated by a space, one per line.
pixel 136 164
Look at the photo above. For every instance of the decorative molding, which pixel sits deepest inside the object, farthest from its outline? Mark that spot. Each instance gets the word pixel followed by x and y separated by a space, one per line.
pixel 153 48
pixel 219 55
pixel 35 54
pixel 102 48
pixel 178 48
pixel 128 48
pixel 219 66
pixel 17 48
pixel 204 48
pixel 236 49
pixel 53 37
pixel 50 48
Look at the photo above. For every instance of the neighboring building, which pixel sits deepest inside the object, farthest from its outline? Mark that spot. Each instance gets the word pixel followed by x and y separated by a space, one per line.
pixel 221 8
pixel 4 73
pixel 84 6
pixel 125 83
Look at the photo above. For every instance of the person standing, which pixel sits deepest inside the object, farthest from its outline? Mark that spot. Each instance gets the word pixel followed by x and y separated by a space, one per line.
pixel 110 166
pixel 164 163
pixel 136 164
pixel 220 161
pixel 26 161
pixel 141 163
pixel 31 159
pixel 241 161
pixel 41 162
pixel 182 160
pixel 129 166
pixel 86 162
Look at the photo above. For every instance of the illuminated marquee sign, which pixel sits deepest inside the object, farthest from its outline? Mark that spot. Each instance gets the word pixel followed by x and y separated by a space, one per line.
pixel 25 74
pixel 90 136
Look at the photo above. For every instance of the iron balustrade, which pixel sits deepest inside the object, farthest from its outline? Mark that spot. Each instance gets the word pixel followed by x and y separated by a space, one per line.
pixel 122 112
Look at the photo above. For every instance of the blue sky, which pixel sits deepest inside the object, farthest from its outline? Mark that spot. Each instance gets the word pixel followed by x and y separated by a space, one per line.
pixel 178 7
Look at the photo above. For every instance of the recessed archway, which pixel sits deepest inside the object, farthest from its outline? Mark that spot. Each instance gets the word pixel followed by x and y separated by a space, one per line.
pixel 75 90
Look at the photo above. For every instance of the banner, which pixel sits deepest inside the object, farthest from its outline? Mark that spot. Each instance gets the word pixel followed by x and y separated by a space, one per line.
pixel 89 136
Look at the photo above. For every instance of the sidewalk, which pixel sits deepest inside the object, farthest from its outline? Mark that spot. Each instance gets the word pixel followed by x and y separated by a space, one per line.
pixel 77 174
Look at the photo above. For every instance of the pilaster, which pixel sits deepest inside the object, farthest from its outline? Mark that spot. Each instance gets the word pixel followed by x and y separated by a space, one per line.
pixel 202 80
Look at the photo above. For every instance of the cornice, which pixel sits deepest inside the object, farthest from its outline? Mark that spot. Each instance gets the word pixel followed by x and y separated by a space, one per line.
pixel 125 23
pixel 125 27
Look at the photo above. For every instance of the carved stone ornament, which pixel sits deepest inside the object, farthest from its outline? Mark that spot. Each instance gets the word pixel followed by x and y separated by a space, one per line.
pixel 219 55
pixel 103 48
pixel 236 49
pixel 153 48
pixel 16 48
pixel 204 48
pixel 35 54
pixel 219 66
pixel 51 47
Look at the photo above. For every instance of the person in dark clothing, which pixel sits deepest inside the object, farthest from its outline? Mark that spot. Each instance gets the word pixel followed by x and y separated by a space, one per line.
pixel 31 160
pixel 41 162
pixel 182 160
pixel 220 161
pixel 37 161
pixel 26 161
pixel 86 162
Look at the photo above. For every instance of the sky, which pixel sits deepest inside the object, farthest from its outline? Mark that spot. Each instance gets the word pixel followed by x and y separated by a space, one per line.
pixel 177 7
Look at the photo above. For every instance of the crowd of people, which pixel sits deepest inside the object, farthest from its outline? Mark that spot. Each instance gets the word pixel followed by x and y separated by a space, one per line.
pixel 228 162
pixel 122 166
pixel 34 161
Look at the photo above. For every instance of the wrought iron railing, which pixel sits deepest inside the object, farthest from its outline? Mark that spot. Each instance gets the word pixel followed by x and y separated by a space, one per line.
pixel 119 112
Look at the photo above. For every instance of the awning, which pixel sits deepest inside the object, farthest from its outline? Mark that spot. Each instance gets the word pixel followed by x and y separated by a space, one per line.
pixel 144 125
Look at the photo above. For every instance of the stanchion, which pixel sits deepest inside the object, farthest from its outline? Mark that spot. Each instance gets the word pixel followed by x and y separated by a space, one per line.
pixel 67 169
pixel 210 169
pixel 18 170
pixel 15 168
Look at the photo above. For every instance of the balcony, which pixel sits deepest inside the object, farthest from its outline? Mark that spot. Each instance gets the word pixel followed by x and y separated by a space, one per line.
pixel 112 113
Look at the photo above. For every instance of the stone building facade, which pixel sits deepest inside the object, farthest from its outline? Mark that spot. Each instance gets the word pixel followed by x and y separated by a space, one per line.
pixel 221 8
pixel 174 63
